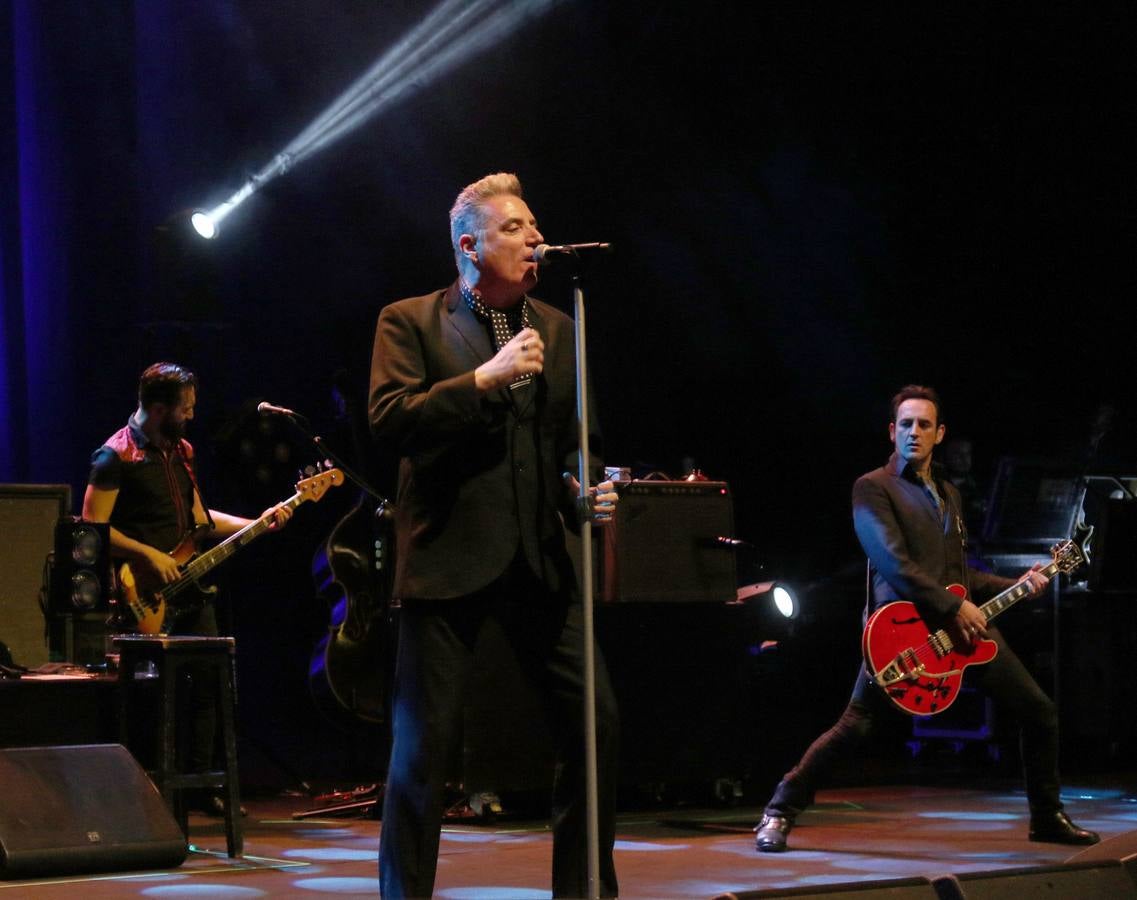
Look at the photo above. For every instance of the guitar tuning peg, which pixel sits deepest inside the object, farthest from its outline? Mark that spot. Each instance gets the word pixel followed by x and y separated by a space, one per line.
pixel 309 471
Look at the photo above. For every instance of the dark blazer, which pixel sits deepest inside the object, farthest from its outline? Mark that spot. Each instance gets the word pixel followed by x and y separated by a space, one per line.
pixel 913 554
pixel 479 476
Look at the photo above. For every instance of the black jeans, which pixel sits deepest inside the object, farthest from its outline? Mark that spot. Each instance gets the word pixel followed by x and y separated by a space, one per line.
pixel 437 639
pixel 1007 682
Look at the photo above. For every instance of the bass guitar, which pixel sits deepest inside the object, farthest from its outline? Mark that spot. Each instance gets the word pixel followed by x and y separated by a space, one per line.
pixel 921 670
pixel 155 608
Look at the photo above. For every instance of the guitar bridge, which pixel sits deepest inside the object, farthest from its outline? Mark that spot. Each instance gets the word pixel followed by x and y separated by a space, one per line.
pixel 906 667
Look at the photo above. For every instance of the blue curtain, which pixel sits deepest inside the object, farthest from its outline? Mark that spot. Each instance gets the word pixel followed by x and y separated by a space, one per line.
pixel 37 345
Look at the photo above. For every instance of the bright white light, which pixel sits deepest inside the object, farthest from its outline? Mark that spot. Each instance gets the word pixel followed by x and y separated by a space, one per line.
pixel 453 33
pixel 204 225
pixel 784 600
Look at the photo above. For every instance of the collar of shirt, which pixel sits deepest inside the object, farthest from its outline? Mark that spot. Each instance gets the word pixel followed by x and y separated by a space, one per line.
pixel 141 441
pixel 516 317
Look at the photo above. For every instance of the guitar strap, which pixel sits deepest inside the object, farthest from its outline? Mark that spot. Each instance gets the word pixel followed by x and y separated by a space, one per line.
pixel 955 523
pixel 183 456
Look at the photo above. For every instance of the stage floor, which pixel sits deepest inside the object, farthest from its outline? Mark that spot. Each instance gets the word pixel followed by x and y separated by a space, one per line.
pixel 852 834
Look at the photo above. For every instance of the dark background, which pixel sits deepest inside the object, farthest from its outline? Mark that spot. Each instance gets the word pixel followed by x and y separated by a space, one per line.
pixel 810 208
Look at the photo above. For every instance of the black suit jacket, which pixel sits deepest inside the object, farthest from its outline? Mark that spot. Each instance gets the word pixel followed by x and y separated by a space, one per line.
pixel 913 553
pixel 479 475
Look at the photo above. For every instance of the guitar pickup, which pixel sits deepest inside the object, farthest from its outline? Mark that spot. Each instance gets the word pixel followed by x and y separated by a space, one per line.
pixel 941 643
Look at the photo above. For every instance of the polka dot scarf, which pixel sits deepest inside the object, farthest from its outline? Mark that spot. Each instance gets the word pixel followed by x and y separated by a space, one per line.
pixel 504 324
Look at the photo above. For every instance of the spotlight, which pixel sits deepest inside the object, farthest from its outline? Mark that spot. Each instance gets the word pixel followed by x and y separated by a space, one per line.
pixel 785 601
pixel 767 596
pixel 204 224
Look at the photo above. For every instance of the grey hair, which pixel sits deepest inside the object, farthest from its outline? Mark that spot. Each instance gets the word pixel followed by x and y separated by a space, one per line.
pixel 467 215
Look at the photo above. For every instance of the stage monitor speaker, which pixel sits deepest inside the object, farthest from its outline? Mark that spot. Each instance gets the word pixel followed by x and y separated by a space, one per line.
pixel 1121 847
pixel 28 515
pixel 1070 881
pixel 913 888
pixel 82 808
pixel 670 541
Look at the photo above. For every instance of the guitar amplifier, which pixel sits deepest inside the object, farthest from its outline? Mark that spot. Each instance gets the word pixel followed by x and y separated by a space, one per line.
pixel 669 541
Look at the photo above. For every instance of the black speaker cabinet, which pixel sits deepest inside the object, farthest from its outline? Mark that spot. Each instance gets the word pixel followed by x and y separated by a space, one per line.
pixel 80 568
pixel 670 541
pixel 28 514
pixel 82 808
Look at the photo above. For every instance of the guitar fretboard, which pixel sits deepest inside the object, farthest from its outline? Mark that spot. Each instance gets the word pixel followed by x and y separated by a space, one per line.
pixel 198 566
pixel 1015 593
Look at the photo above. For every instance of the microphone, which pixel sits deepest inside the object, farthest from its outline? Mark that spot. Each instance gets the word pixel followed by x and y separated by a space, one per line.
pixel 265 407
pixel 544 253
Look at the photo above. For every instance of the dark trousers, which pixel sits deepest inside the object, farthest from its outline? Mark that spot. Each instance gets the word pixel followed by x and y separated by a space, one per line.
pixel 1007 682
pixel 435 657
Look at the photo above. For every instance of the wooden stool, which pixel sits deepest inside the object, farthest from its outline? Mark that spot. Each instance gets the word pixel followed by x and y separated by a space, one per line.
pixel 166 655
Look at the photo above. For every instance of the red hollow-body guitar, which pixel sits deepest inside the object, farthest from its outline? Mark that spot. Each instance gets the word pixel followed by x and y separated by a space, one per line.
pixel 921 670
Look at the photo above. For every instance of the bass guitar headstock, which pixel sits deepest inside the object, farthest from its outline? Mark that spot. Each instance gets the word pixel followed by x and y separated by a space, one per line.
pixel 315 486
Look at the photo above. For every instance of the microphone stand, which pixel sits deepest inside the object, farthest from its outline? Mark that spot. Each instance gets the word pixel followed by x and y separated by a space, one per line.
pixel 591 790
pixel 302 425
pixel 367 800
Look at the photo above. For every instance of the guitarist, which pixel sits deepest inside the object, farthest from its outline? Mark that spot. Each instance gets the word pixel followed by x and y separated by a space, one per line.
pixel 909 522
pixel 142 482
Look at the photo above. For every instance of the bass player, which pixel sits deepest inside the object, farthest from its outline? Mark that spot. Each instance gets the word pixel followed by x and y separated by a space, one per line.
pixel 142 482
pixel 909 523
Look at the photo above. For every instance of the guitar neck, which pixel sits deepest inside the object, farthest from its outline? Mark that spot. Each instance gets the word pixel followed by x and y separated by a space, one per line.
pixel 198 566
pixel 1012 595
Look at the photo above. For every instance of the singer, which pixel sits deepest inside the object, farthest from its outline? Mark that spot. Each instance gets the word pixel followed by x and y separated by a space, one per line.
pixel 473 386
pixel 142 482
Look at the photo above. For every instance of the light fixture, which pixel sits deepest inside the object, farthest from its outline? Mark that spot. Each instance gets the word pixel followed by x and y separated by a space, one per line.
pixel 768 597
pixel 204 224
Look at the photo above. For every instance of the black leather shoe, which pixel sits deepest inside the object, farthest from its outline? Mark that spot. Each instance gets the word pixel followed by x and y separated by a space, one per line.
pixel 771 834
pixel 1056 828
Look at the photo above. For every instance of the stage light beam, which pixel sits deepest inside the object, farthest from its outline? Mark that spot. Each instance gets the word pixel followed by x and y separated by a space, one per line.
pixel 451 34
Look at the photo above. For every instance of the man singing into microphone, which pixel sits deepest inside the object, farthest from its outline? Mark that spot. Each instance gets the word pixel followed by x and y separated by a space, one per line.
pixel 474 387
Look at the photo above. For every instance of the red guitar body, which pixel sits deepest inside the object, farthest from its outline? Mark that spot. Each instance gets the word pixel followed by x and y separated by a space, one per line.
pixel 919 670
